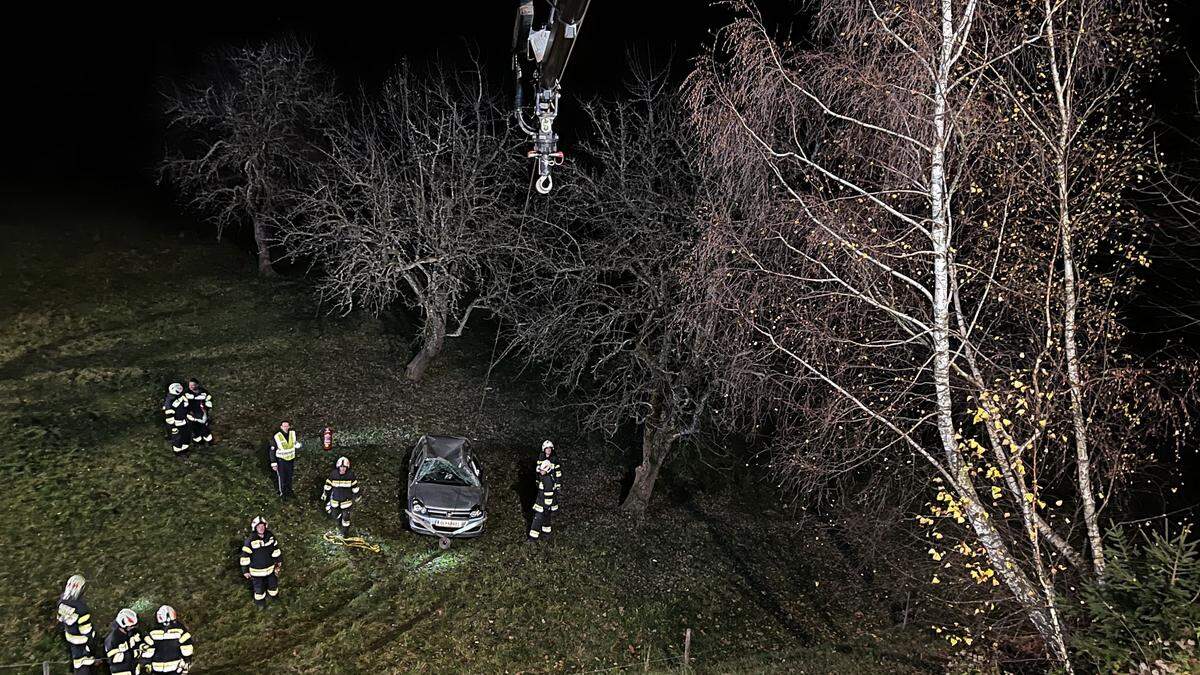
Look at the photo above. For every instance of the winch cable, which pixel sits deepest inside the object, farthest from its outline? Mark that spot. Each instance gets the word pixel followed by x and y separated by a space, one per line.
pixel 351 542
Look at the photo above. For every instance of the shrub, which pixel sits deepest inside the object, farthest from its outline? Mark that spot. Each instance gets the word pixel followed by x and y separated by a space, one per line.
pixel 1144 617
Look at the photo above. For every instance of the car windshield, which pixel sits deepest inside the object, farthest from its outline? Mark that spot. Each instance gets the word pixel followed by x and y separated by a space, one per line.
pixel 439 471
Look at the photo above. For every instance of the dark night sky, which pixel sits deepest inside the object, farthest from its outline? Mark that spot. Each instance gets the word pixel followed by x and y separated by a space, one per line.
pixel 79 87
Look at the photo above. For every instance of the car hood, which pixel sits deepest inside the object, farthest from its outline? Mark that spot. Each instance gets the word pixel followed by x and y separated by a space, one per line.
pixel 449 497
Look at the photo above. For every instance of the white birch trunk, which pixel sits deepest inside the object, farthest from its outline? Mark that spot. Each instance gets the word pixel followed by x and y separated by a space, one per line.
pixel 1083 464
pixel 1041 612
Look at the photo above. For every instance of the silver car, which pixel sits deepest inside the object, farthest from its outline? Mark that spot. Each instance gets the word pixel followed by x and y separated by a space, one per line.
pixel 447 495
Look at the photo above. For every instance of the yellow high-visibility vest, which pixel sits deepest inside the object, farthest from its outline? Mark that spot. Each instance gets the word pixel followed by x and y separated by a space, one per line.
pixel 285 447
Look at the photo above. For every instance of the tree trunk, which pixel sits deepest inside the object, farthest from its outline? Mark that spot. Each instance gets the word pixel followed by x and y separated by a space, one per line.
pixel 1083 462
pixel 1040 610
pixel 435 339
pixel 264 249
pixel 656 445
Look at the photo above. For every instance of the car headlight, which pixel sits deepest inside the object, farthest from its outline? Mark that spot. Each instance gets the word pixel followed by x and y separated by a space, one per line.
pixel 418 507
pixel 477 511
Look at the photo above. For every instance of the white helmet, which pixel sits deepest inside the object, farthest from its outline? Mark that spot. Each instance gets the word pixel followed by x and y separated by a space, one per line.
pixel 165 614
pixel 74 587
pixel 343 461
pixel 126 618
pixel 258 519
pixel 547 444
pixel 175 389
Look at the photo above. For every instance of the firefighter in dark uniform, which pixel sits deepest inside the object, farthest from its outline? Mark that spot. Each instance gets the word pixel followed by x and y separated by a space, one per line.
pixel 283 457
pixel 124 645
pixel 168 648
pixel 550 455
pixel 539 528
pixel 199 408
pixel 260 562
pixel 76 620
pixel 168 409
pixel 174 409
pixel 341 489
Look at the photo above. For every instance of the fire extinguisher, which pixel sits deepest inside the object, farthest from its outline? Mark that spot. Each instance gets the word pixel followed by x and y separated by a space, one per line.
pixel 327 438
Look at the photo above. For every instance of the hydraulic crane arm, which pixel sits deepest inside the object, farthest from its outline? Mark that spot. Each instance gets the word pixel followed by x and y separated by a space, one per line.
pixel 545 50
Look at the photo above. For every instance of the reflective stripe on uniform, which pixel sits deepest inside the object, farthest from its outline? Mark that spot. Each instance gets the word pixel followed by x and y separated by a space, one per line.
pixel 166 666
pixel 262 571
pixel 285 446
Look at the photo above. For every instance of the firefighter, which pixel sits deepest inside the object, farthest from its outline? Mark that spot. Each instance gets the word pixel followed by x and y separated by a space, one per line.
pixel 124 645
pixel 199 407
pixel 168 648
pixel 168 408
pixel 76 620
pixel 549 454
pixel 283 458
pixel 341 488
pixel 539 528
pixel 175 414
pixel 261 561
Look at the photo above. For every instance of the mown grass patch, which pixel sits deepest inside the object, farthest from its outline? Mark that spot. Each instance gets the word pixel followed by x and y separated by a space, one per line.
pixel 98 325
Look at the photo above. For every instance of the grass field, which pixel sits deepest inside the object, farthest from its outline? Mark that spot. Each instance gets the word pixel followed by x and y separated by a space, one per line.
pixel 102 309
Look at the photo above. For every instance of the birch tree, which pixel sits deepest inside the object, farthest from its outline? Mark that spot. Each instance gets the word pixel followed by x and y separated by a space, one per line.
pixel 1078 134
pixel 872 270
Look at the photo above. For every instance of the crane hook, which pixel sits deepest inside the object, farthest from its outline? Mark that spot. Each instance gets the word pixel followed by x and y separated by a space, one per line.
pixel 544 184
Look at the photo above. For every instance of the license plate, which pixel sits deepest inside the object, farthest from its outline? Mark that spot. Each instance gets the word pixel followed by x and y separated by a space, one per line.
pixel 446 522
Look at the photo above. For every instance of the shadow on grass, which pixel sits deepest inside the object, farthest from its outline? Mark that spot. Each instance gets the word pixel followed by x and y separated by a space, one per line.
pixel 727 539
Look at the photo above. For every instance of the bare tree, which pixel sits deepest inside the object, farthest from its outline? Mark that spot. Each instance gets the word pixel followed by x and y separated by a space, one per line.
pixel 410 205
pixel 876 268
pixel 606 312
pixel 1079 140
pixel 241 138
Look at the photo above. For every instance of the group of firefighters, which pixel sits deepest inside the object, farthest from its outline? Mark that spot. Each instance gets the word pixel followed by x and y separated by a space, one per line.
pixel 188 416
pixel 168 648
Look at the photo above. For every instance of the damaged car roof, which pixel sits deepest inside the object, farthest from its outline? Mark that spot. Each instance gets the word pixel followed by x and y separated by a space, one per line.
pixel 450 448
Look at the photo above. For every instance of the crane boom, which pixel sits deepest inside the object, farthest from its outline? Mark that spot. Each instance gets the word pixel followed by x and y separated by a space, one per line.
pixel 546 50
